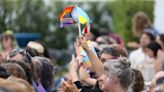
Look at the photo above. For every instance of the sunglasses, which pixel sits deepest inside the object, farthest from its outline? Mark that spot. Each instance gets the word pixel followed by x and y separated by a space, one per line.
pixel 23 52
pixel 15 51
pixel 6 38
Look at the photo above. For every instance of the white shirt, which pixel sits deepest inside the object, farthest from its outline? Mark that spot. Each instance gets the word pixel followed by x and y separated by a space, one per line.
pixel 142 62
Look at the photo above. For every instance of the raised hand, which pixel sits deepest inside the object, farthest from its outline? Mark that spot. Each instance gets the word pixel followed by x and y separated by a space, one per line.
pixel 82 41
pixel 83 75
pixel 77 48
pixel 74 65
pixel 68 87
pixel 73 69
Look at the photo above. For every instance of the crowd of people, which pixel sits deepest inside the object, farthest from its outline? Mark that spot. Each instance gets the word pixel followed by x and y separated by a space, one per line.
pixel 24 70
pixel 111 67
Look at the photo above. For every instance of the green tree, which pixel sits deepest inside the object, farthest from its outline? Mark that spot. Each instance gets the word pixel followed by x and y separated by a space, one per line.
pixel 123 12
pixel 36 16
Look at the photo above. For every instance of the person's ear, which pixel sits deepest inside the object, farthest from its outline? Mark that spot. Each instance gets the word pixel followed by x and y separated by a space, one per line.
pixel 115 80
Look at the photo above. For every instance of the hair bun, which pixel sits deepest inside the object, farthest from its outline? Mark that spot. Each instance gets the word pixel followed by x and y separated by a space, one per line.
pixel 126 63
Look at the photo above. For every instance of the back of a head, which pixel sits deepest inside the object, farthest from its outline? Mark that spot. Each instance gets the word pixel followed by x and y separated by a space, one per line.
pixel 162 38
pixel 115 50
pixel 111 51
pixel 14 69
pixel 102 40
pixel 27 70
pixel 24 85
pixel 14 84
pixel 38 67
pixel 95 32
pixel 121 69
pixel 32 52
pixel 138 83
pixel 3 72
pixel 37 48
pixel 121 50
pixel 154 46
pixel 47 72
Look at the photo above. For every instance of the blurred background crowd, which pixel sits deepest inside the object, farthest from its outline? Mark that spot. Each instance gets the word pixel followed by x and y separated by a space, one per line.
pixel 123 52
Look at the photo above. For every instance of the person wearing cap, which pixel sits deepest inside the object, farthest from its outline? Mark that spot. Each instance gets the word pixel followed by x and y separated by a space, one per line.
pixel 7 41
pixel 36 48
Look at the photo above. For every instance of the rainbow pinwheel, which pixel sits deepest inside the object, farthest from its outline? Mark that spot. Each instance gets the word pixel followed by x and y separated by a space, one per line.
pixel 72 15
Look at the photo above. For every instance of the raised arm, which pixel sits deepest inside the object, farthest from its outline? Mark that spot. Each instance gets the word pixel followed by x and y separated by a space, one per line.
pixel 97 65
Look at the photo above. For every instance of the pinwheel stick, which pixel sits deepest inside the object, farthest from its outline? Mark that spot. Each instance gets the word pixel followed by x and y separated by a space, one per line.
pixel 79 28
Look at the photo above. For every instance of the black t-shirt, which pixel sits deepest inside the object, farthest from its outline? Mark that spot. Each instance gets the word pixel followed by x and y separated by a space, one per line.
pixel 87 89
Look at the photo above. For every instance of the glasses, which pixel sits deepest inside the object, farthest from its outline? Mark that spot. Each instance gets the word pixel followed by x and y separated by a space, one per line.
pixel 23 52
pixel 15 51
pixel 6 38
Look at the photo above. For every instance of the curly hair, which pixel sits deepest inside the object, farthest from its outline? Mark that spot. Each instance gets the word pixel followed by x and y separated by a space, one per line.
pixel 140 22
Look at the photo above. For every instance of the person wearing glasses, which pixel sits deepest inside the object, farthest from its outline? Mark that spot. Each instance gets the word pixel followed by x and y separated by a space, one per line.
pixel 8 43
pixel 19 55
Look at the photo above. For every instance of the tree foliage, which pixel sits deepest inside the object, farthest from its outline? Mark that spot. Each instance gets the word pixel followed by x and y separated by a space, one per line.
pixel 36 16
pixel 123 12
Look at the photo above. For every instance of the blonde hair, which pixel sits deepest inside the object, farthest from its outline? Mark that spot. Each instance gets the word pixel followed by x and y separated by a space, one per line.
pixel 16 85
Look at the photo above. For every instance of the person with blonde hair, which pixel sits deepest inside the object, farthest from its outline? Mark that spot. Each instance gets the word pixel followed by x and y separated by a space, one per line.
pixel 14 84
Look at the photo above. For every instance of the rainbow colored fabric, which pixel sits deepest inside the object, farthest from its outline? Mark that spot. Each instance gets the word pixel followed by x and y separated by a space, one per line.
pixel 72 15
